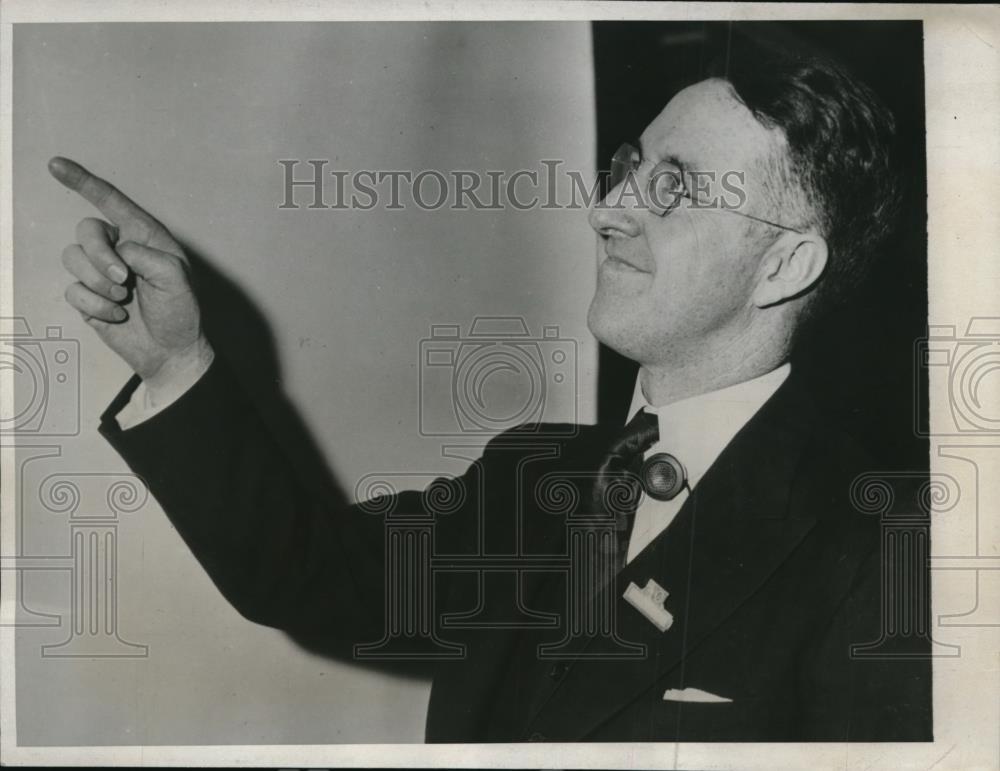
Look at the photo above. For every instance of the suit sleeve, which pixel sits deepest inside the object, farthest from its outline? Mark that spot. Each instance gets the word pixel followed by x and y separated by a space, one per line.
pixel 278 552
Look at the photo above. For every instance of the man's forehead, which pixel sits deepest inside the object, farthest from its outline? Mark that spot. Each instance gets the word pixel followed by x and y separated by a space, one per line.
pixel 707 126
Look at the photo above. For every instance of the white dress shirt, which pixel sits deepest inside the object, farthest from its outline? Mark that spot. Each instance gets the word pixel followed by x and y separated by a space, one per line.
pixel 144 403
pixel 695 430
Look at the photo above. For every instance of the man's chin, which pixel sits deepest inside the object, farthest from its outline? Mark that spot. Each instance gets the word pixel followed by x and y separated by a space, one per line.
pixel 622 327
pixel 607 325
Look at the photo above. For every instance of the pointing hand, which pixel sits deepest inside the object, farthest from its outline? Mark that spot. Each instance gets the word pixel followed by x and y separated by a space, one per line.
pixel 132 281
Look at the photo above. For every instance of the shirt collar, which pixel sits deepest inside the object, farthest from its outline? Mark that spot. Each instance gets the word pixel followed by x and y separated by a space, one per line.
pixel 697 429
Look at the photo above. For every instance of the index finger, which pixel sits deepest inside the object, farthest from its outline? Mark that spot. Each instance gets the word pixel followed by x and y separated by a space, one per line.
pixel 109 200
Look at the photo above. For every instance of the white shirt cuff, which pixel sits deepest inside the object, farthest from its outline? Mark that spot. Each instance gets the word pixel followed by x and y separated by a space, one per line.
pixel 145 403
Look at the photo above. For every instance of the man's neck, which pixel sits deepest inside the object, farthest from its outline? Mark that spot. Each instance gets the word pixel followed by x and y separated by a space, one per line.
pixel 665 383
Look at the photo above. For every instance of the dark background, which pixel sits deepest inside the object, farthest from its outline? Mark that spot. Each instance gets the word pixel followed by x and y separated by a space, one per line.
pixel 859 359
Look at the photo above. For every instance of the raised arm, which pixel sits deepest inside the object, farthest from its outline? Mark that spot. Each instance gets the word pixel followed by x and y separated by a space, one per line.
pixel 279 555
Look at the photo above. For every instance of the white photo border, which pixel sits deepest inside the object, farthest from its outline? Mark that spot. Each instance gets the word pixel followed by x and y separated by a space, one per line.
pixel 962 77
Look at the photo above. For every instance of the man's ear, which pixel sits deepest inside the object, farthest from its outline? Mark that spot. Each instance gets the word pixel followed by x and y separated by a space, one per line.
pixel 790 268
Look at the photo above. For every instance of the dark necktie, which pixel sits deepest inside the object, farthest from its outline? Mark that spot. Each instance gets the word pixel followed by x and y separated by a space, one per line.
pixel 618 488
pixel 623 477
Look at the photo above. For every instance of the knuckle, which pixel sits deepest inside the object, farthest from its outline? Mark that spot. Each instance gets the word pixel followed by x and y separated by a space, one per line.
pixel 98 306
pixel 99 255
pixel 93 233
pixel 103 192
pixel 100 285
pixel 85 226
pixel 69 255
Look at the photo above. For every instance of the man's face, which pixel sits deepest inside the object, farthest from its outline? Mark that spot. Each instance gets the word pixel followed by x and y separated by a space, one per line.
pixel 668 285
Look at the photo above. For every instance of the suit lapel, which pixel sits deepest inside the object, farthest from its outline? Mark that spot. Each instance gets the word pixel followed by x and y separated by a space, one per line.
pixel 732 533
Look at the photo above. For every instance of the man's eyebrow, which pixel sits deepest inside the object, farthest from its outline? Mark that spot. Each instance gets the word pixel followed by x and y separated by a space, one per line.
pixel 678 162
pixel 669 157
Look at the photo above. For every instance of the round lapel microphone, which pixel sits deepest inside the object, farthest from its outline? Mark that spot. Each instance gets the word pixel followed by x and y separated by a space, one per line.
pixel 662 476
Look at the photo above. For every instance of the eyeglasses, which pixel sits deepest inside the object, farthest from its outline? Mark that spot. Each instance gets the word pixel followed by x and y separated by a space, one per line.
pixel 665 187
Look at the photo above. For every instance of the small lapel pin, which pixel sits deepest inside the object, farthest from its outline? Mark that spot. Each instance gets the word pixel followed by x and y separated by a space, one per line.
pixel 649 602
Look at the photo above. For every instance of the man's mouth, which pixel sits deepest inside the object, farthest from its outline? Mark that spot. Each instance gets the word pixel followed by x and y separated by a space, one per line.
pixel 622 263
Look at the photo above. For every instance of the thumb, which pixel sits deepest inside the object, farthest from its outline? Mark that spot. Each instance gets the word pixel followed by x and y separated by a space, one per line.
pixel 163 270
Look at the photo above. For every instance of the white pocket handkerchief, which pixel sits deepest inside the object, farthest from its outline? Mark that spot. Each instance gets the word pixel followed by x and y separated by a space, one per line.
pixel 694 695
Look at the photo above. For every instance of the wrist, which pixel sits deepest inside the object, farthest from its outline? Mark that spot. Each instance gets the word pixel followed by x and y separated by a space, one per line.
pixel 178 373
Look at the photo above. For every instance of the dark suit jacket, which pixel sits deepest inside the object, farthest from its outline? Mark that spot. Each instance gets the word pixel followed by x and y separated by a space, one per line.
pixel 772 576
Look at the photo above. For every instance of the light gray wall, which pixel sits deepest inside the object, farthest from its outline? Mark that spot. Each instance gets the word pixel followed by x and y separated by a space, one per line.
pixel 191 120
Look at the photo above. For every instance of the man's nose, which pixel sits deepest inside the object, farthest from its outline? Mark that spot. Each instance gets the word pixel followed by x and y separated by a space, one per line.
pixel 615 214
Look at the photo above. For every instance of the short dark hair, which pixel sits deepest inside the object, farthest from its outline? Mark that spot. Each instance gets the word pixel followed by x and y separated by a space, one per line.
pixel 841 145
